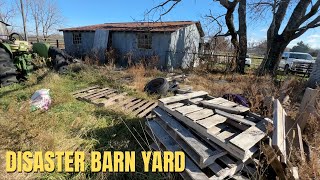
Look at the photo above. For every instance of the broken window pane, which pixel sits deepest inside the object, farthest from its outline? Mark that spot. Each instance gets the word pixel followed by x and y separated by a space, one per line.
pixel 144 41
pixel 76 38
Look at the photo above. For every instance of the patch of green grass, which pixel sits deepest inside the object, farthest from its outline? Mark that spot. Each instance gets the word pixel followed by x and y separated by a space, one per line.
pixel 69 124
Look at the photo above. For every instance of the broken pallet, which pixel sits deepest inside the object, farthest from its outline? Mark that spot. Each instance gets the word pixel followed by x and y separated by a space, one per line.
pixel 108 97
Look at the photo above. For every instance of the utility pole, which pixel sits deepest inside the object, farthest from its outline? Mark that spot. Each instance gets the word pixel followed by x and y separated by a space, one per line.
pixel 24 21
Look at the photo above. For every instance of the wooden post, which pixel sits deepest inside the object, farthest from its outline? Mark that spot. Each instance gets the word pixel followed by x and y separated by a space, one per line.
pixel 307 107
pixel 279 133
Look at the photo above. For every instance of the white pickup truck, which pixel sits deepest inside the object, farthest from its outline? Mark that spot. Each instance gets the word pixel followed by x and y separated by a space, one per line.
pixel 296 62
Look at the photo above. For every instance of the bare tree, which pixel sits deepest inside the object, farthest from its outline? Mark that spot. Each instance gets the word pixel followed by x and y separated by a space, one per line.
pixel 240 45
pixel 36 7
pixel 50 17
pixel 304 16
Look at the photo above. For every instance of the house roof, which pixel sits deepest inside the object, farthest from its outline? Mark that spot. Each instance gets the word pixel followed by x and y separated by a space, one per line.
pixel 138 27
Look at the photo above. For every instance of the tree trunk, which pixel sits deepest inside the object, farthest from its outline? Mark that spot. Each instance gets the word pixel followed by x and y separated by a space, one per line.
pixel 37 28
pixel 234 36
pixel 242 37
pixel 314 79
pixel 275 49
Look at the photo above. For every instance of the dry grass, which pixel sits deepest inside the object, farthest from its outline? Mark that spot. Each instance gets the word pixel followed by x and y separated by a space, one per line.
pixel 74 125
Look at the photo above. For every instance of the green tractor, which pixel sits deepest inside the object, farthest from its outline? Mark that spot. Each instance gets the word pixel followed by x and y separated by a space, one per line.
pixel 18 59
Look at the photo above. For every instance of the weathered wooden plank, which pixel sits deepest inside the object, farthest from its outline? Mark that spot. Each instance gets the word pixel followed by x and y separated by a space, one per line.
pixel 138 105
pixel 83 90
pixel 229 171
pixel 199 152
pixel 203 113
pixel 175 105
pixel 142 108
pixel 112 100
pixel 192 171
pixel 228 104
pixel 181 97
pixel 219 106
pixel 225 134
pixel 96 91
pixel 188 109
pixel 218 100
pixel 147 111
pixel 87 93
pixel 101 94
pixel 236 118
pixel 279 132
pixel 300 140
pixel 307 107
pixel 272 159
pixel 132 103
pixel 248 138
pixel 234 150
pixel 196 100
pixel 211 121
pixel 124 102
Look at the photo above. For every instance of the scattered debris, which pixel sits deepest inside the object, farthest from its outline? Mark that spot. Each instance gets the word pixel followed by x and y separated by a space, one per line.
pixel 40 100
pixel 222 139
pixel 107 97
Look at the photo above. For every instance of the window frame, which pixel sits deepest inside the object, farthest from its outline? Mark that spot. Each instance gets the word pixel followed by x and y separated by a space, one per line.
pixel 76 38
pixel 144 41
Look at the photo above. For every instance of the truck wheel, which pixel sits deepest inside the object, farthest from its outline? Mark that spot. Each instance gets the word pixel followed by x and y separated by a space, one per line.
pixel 286 69
pixel 157 86
pixel 8 72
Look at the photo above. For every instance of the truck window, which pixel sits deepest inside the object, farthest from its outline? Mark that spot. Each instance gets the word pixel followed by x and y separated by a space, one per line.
pixel 301 56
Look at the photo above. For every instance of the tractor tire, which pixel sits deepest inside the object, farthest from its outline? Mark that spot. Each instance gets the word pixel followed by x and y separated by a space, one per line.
pixel 4 56
pixel 54 52
pixel 157 86
pixel 6 81
pixel 8 72
pixel 63 69
pixel 7 68
pixel 58 62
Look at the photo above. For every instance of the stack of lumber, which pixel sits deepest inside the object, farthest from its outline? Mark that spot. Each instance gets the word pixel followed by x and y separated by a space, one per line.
pixel 220 138
pixel 224 140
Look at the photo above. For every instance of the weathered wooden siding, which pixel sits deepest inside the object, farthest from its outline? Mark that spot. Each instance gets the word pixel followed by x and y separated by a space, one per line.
pixel 177 49
pixel 127 44
pixel 78 49
pixel 184 47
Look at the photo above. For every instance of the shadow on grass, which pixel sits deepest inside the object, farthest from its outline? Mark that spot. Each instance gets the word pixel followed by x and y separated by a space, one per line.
pixel 39 80
pixel 123 133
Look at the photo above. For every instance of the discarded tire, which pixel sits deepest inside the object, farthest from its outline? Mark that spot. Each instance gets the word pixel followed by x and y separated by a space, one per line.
pixel 8 72
pixel 157 86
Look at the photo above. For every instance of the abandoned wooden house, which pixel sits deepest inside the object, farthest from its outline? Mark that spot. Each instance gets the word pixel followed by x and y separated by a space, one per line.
pixel 173 44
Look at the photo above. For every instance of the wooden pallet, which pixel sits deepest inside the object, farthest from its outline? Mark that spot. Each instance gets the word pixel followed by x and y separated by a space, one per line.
pixel 235 133
pixel 200 153
pixel 108 97
pixel 223 167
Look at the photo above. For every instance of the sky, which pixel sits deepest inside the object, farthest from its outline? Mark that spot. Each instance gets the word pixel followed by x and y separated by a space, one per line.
pixel 89 12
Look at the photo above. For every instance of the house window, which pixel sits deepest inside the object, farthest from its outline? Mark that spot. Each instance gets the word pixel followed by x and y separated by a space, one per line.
pixel 76 38
pixel 144 41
